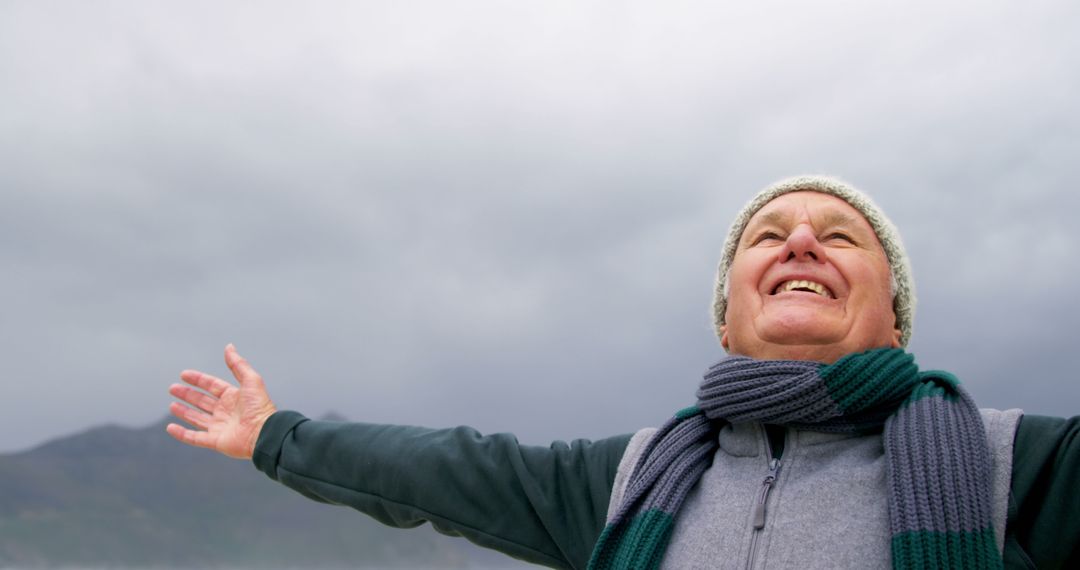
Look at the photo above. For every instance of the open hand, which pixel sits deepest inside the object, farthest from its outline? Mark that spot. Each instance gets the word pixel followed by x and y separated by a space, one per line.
pixel 229 417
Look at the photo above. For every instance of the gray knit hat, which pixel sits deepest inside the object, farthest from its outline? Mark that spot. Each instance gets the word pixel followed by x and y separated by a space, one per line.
pixel 903 284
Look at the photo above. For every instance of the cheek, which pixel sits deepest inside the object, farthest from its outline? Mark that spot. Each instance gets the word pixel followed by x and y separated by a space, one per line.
pixel 745 273
pixel 741 304
pixel 877 303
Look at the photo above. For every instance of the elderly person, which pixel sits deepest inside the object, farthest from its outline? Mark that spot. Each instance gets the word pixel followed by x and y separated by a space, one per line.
pixel 818 443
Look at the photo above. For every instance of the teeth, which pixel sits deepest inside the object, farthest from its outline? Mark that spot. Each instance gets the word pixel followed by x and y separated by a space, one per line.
pixel 803 284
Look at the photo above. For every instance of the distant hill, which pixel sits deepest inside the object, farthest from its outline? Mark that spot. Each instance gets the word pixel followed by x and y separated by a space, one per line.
pixel 122 497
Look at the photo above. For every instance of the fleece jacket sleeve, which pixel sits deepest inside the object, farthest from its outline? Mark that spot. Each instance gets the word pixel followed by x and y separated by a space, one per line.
pixel 1044 509
pixel 546 505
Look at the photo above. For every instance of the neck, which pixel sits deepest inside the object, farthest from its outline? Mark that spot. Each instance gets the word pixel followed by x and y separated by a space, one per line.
pixel 825 354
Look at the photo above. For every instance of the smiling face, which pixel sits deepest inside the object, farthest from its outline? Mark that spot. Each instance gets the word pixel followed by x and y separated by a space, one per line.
pixel 809 281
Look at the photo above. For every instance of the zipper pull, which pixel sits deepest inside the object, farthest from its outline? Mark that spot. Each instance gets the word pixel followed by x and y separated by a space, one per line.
pixel 763 496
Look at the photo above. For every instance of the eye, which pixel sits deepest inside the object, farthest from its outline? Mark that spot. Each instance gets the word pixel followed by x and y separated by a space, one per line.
pixel 766 236
pixel 839 236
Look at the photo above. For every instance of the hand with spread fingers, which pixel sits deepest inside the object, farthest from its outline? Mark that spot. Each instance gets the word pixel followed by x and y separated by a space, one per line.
pixel 228 417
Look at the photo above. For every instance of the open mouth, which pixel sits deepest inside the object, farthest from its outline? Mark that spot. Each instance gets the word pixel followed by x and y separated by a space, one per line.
pixel 803 286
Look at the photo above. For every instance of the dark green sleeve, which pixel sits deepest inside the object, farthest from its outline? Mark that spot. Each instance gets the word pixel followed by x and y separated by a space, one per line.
pixel 546 505
pixel 1044 509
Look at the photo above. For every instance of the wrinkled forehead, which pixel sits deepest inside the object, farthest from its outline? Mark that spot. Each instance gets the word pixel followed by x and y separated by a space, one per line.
pixel 821 211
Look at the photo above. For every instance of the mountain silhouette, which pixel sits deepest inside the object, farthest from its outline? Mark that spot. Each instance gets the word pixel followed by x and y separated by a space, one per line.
pixel 123 497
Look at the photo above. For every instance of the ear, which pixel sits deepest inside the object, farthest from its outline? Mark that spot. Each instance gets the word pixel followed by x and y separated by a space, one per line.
pixel 896 338
pixel 723 336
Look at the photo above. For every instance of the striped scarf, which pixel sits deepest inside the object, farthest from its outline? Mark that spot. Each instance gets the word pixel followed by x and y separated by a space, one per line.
pixel 937 458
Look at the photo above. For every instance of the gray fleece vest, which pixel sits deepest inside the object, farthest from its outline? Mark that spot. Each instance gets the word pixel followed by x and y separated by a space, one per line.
pixel 827 509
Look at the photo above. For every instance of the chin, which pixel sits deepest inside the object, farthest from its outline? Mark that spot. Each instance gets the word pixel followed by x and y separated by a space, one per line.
pixel 802 331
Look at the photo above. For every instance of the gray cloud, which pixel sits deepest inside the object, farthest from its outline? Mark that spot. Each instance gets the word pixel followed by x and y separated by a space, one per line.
pixel 498 214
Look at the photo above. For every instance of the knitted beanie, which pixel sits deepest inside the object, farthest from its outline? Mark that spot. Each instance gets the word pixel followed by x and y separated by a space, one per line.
pixel 903 284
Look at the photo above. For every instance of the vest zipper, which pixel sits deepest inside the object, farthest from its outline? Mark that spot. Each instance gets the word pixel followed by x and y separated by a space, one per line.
pixel 759 507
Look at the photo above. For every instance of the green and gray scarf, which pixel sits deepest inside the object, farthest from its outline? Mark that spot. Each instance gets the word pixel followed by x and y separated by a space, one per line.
pixel 937 458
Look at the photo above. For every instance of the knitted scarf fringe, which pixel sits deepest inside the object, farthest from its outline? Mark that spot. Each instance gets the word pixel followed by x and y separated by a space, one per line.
pixel 937 458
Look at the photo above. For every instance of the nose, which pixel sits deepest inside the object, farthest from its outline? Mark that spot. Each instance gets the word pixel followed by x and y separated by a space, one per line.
pixel 802 245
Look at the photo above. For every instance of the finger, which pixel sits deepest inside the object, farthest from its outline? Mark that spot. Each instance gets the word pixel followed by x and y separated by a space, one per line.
pixel 190 415
pixel 194 397
pixel 212 384
pixel 191 437
pixel 243 371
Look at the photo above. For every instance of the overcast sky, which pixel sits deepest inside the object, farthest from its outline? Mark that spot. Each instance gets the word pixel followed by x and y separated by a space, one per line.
pixel 506 214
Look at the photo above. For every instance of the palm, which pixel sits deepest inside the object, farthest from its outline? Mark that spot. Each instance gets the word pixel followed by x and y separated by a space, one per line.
pixel 228 424
pixel 229 417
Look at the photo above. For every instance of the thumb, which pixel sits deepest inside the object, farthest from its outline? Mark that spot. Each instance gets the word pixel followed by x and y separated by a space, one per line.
pixel 240 368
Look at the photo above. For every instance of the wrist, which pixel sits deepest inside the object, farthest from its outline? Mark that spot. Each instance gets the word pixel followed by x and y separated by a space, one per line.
pixel 257 428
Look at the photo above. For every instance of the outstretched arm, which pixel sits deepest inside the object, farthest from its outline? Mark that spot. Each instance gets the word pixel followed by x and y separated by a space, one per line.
pixel 542 504
pixel 228 417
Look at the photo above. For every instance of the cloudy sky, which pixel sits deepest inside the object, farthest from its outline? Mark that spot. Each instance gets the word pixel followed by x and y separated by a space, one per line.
pixel 506 214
